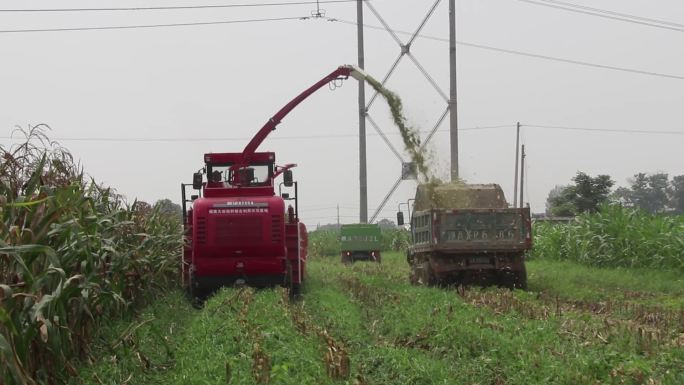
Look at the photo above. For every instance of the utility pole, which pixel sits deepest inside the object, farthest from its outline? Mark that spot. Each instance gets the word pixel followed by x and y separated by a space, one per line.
pixel 363 181
pixel 338 216
pixel 522 174
pixel 515 181
pixel 453 111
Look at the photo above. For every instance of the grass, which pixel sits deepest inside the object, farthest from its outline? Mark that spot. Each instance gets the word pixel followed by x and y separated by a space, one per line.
pixel 575 281
pixel 509 337
pixel 146 342
pixel 365 324
pixel 240 337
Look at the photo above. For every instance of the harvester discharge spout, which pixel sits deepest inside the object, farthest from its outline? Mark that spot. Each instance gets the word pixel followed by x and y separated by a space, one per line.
pixel 356 72
pixel 341 73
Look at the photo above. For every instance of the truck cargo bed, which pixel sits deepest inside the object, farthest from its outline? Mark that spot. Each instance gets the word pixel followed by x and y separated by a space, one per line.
pixel 471 230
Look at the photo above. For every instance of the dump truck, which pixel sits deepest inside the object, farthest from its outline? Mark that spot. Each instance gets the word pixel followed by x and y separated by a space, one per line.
pixel 360 242
pixel 237 230
pixel 465 234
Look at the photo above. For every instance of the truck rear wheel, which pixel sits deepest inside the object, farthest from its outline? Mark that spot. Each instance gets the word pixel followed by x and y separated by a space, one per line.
pixel 426 275
pixel 516 279
pixel 413 274
pixel 520 281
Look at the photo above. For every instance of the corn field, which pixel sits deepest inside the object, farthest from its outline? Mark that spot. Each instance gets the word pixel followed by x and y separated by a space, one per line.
pixel 72 253
pixel 615 237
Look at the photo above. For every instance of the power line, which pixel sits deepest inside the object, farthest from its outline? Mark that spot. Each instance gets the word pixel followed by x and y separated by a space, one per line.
pixel 606 130
pixel 577 62
pixel 480 46
pixel 347 208
pixel 338 136
pixel 333 218
pixel 151 25
pixel 175 7
pixel 528 54
pixel 607 14
pixel 334 136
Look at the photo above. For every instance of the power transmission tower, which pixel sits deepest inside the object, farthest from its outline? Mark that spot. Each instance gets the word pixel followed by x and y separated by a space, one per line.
pixel 404 52
pixel 517 155
pixel 363 179
pixel 453 112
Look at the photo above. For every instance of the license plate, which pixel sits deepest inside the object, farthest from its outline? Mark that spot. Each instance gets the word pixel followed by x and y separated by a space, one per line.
pixel 480 260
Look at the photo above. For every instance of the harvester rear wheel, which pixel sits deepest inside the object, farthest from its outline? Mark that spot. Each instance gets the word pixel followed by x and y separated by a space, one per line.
pixel 293 289
pixel 195 292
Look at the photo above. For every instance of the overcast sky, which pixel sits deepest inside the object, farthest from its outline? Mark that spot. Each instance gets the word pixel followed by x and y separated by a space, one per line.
pixel 218 84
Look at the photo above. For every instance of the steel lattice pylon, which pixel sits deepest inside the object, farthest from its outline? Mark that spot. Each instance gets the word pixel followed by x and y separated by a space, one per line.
pixel 405 51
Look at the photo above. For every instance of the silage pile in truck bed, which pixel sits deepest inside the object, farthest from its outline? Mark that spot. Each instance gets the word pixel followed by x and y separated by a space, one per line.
pixel 459 195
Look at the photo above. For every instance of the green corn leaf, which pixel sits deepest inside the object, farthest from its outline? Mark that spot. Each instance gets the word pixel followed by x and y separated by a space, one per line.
pixel 20 249
pixel 27 204
pixel 5 347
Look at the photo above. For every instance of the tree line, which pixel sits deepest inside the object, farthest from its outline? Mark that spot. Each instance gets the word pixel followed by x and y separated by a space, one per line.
pixel 654 193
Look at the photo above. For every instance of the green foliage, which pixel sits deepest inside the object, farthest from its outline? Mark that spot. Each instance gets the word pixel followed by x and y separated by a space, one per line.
pixel 167 207
pixel 615 237
pixel 386 224
pixel 324 243
pixel 647 192
pixel 397 240
pixel 586 195
pixel 575 281
pixel 677 198
pixel 71 254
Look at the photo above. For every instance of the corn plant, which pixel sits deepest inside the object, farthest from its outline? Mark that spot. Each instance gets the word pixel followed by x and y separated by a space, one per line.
pixel 324 243
pixel 71 253
pixel 615 237
pixel 396 240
